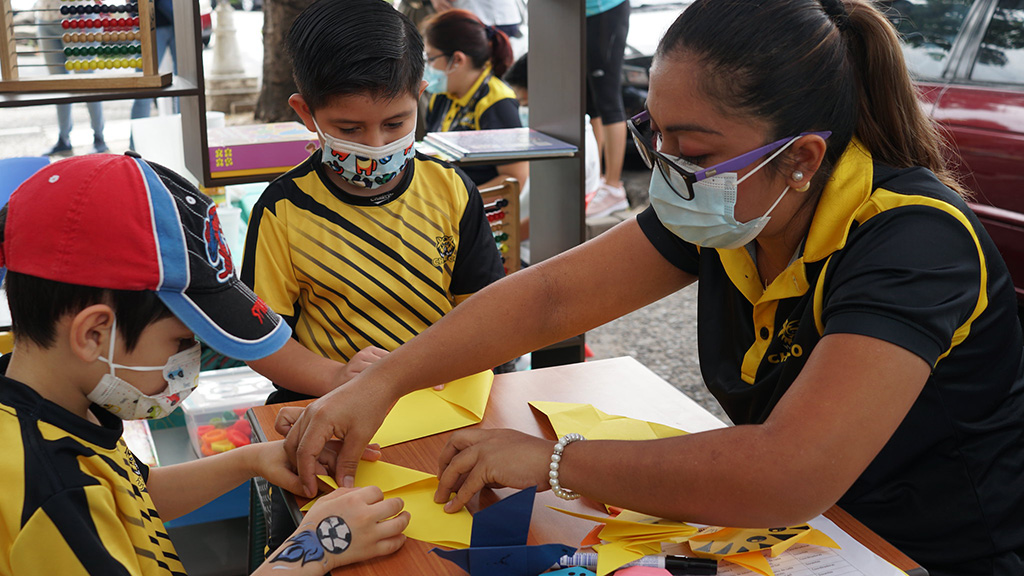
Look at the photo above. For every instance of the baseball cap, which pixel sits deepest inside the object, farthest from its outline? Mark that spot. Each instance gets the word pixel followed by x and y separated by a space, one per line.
pixel 122 223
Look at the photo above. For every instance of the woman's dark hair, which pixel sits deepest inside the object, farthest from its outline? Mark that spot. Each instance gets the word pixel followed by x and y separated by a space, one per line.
pixel 808 65
pixel 38 304
pixel 461 30
pixel 517 76
pixel 338 48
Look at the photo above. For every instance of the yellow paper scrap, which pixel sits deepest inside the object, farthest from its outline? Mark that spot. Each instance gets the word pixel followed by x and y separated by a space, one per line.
pixel 746 546
pixel 596 425
pixel 425 412
pixel 428 520
pixel 753 561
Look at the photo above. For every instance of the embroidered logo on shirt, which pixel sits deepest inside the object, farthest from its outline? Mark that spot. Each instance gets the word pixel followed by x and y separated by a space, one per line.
pixel 786 334
pixel 445 249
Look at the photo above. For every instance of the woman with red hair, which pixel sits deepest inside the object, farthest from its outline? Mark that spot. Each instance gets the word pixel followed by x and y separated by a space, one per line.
pixel 465 62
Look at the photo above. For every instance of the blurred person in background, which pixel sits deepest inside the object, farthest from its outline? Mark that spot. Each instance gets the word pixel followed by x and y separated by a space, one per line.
pixel 607 27
pixel 465 60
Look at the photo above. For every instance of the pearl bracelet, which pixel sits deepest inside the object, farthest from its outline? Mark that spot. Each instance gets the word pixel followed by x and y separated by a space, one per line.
pixel 556 458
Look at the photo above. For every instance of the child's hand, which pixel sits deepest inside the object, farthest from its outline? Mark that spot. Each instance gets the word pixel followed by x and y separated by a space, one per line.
pixel 270 461
pixel 346 526
pixel 361 361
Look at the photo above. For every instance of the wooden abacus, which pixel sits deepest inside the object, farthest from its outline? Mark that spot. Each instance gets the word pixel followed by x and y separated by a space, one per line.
pixel 115 40
pixel 501 206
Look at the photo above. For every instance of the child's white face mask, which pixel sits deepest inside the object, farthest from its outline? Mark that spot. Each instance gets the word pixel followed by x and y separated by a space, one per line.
pixel 366 166
pixel 181 372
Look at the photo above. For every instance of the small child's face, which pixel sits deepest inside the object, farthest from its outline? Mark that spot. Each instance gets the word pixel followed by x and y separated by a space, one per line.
pixel 158 342
pixel 364 120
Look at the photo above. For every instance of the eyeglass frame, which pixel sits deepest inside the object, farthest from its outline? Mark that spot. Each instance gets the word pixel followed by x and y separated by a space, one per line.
pixel 430 59
pixel 651 156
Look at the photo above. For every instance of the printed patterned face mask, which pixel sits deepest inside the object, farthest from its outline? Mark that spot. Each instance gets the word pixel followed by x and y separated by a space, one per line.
pixel 366 166
pixel 181 372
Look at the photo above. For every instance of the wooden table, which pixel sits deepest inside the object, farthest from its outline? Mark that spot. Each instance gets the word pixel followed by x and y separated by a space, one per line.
pixel 619 386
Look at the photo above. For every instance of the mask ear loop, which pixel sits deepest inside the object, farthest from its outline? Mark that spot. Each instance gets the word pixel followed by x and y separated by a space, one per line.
pixel 110 352
pixel 769 159
pixel 759 166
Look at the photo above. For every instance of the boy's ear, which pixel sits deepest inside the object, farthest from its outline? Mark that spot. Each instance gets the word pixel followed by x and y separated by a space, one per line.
pixel 90 332
pixel 423 86
pixel 298 103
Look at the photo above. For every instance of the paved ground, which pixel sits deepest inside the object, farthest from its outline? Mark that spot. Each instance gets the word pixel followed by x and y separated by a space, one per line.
pixel 662 336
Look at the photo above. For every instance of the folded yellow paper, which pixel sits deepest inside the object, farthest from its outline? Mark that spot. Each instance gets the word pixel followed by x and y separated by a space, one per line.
pixel 746 546
pixel 630 536
pixel 594 424
pixel 428 520
pixel 425 412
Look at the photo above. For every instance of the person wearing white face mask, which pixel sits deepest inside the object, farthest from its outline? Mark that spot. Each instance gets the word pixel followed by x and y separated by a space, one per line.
pixel 366 243
pixel 465 62
pixel 114 267
pixel 855 320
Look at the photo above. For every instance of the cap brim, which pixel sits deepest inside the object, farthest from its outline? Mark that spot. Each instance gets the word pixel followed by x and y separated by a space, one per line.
pixel 232 320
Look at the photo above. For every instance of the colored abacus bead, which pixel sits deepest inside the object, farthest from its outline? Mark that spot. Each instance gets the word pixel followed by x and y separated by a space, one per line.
pixel 65 24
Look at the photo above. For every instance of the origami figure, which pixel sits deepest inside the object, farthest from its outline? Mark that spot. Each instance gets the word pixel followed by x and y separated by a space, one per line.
pixel 498 541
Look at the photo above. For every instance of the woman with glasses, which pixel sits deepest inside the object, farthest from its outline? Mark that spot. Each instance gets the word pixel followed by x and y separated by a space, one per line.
pixel 465 62
pixel 854 318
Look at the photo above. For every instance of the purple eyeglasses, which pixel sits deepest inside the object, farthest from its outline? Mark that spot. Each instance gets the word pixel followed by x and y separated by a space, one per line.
pixel 644 138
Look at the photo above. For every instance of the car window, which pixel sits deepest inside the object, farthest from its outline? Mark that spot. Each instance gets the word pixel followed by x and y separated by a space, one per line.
pixel 927 29
pixel 1001 56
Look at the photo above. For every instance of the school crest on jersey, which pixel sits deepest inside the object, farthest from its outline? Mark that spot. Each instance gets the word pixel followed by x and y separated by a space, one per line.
pixel 445 250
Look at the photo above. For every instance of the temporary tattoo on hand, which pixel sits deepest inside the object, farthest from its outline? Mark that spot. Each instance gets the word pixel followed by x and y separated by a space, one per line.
pixel 332 535
pixel 335 537
pixel 302 547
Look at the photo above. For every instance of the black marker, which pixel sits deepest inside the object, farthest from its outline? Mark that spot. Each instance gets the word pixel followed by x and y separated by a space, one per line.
pixel 676 565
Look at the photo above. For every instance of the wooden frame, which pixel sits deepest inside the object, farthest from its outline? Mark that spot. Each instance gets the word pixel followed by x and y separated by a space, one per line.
pixel 508 222
pixel 149 77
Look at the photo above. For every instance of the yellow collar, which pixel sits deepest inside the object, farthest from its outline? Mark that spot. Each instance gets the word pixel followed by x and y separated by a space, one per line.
pixel 464 100
pixel 846 191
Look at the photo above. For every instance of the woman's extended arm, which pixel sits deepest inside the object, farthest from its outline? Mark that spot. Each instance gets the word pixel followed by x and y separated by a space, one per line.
pixel 849 399
pixel 598 281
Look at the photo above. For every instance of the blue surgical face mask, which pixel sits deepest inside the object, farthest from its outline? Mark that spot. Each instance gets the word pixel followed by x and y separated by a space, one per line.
pixel 366 166
pixel 524 115
pixel 707 220
pixel 437 80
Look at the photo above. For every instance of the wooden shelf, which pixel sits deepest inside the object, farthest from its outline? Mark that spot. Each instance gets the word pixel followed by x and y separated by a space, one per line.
pixel 178 87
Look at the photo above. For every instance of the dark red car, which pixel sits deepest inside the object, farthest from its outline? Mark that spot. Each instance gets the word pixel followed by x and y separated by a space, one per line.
pixel 968 59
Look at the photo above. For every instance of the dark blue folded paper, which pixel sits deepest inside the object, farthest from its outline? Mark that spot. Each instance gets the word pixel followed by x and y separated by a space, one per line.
pixel 498 541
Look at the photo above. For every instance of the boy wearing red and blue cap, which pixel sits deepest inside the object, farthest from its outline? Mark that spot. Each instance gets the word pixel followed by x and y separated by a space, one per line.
pixel 114 267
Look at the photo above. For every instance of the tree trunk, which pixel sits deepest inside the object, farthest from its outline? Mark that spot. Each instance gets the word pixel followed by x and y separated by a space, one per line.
pixel 278 85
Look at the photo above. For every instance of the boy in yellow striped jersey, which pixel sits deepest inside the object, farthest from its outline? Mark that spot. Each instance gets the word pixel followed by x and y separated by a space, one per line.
pixel 114 267
pixel 366 243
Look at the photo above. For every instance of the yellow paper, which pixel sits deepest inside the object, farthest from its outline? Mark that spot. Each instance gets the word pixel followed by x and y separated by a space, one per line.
pixel 753 561
pixel 428 520
pixel 594 424
pixel 631 535
pixel 746 546
pixel 425 412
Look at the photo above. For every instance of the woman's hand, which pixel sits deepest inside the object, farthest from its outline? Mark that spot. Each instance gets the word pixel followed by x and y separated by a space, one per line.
pixel 475 459
pixel 343 527
pixel 352 413
pixel 270 461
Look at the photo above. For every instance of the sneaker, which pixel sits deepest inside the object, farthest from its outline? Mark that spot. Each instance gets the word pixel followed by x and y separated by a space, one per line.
pixel 99 147
pixel 59 148
pixel 608 199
